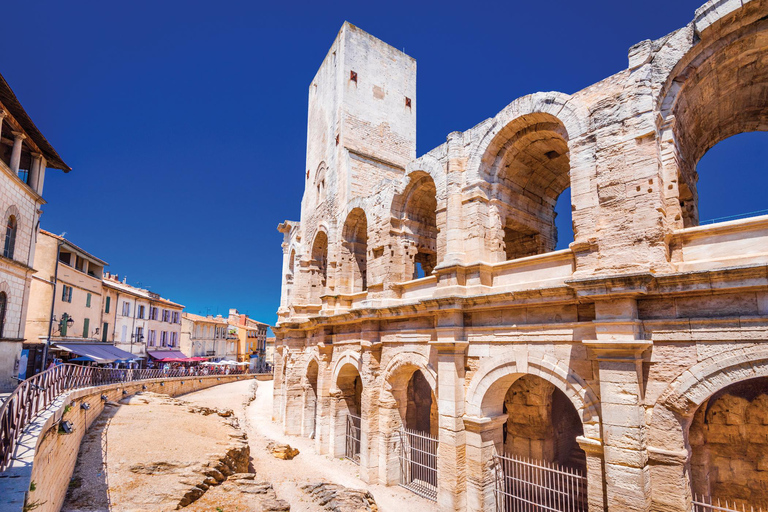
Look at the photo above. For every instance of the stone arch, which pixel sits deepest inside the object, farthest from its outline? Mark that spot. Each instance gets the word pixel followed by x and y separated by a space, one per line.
pixel 398 382
pixel 570 112
pixel 353 257
pixel 318 265
pixel 12 210
pixel 404 361
pixel 673 414
pixel 310 386
pixel 415 215
pixel 319 183
pixel 715 89
pixel 347 357
pixel 495 376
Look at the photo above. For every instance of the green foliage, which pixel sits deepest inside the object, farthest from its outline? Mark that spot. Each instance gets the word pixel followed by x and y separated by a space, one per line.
pixel 32 486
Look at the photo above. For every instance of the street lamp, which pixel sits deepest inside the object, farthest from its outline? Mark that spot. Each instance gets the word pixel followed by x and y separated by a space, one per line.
pixel 65 320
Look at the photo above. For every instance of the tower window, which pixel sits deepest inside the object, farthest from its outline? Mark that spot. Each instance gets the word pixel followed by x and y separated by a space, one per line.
pixel 353 76
pixel 408 102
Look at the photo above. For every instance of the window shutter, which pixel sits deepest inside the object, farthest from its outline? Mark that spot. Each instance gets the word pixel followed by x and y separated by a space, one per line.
pixel 69 299
pixel 88 300
pixel 86 325
pixel 106 308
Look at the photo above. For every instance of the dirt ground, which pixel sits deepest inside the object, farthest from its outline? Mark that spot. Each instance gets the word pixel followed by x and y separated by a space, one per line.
pixel 287 476
pixel 129 435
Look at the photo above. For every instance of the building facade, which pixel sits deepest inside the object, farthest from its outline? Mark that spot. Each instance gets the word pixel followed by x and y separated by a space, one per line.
pixel 24 156
pixel 66 296
pixel 125 316
pixel 163 324
pixel 425 295
pixel 251 339
pixel 204 336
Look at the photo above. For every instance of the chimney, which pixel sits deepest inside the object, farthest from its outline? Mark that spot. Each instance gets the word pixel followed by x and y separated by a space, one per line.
pixel 125 279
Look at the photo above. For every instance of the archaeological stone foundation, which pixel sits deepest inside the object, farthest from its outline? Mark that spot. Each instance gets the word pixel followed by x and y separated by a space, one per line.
pixel 426 293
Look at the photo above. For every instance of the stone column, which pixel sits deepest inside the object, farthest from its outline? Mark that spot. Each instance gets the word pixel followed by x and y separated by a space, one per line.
pixel 18 137
pixel 370 435
pixel 618 350
pixel 595 470
pixel 324 376
pixel 451 467
pixel 34 171
pixel 389 440
pixel 483 440
pixel 454 235
pixel 671 484
pixel 278 402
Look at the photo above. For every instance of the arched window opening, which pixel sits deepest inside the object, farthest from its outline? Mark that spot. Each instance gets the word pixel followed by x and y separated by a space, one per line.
pixel 720 94
pixel 420 224
pixel 348 413
pixel 724 196
pixel 421 409
pixel 289 277
pixel 529 163
pixel 354 260
pixel 728 442
pixel 543 424
pixel 318 267
pixel 10 237
pixel 3 307
pixel 310 400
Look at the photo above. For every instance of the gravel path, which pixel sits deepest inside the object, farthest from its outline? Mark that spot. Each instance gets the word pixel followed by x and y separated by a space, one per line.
pixel 309 467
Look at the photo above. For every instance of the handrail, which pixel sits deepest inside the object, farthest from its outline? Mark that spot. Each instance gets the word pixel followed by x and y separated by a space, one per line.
pixel 35 394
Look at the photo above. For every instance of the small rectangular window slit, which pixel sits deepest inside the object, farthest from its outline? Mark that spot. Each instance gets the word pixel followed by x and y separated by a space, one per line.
pixel 353 76
pixel 408 102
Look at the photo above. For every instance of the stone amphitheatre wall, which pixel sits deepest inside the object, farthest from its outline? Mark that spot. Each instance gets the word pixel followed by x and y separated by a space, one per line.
pixel 44 460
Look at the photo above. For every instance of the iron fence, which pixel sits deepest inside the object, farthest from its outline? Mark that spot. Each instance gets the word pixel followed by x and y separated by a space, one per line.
pixel 527 485
pixel 352 447
pixel 418 462
pixel 707 504
pixel 33 395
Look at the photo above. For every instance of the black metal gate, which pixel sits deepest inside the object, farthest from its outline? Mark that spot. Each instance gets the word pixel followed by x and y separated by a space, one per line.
pixel 418 463
pixel 527 485
pixel 352 446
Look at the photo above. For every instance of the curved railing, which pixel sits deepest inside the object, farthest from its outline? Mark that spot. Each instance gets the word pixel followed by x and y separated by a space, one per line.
pixel 33 395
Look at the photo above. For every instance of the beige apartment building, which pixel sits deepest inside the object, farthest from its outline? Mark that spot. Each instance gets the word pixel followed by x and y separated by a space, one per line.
pixel 125 315
pixel 24 156
pixel 205 336
pixel 430 332
pixel 66 293
pixel 163 327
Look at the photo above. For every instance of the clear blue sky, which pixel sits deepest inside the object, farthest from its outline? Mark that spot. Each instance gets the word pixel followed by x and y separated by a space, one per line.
pixel 185 121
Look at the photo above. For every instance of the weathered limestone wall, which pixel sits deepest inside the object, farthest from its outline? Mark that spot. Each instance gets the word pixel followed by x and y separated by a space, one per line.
pixel 47 459
pixel 637 323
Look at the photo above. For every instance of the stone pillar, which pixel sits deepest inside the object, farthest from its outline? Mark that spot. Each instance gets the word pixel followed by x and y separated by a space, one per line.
pixel 322 420
pixel 595 470
pixel 34 171
pixel 454 234
pixel 484 439
pixel 370 434
pixel 451 467
pixel 618 350
pixel 278 402
pixel 18 137
pixel 389 440
pixel 671 483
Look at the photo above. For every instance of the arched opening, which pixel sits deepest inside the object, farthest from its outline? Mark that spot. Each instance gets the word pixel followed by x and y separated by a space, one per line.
pixel 348 413
pixel 354 258
pixel 538 457
pixel 309 426
pixel 421 406
pixel 419 224
pixel 542 424
pixel 721 196
pixel 528 164
pixel 318 267
pixel 10 237
pixel 728 438
pixel 3 306
pixel 720 92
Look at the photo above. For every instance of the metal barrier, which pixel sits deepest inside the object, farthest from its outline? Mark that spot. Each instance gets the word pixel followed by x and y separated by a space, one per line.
pixel 418 462
pixel 526 485
pixel 352 447
pixel 33 395
pixel 706 504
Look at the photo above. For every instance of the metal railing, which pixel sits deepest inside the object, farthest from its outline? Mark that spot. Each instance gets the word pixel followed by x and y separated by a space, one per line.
pixel 352 446
pixel 418 462
pixel 33 395
pixel 527 485
pixel 707 504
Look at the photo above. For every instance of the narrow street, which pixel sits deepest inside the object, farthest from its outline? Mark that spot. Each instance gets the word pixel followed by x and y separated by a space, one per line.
pixel 308 467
